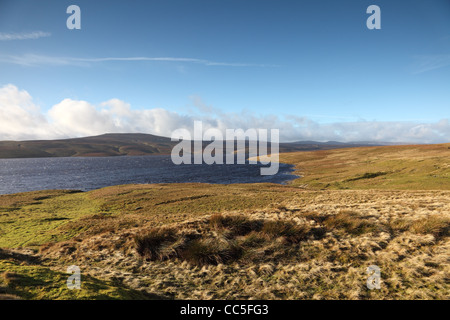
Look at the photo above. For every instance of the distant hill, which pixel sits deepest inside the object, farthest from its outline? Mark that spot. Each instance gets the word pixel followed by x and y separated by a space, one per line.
pixel 130 144
pixel 103 145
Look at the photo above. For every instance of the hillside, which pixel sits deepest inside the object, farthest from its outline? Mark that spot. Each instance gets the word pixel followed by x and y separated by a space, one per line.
pixel 408 167
pixel 119 144
pixel 103 145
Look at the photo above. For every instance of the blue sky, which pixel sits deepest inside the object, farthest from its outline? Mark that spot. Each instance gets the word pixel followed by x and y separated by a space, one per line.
pixel 310 67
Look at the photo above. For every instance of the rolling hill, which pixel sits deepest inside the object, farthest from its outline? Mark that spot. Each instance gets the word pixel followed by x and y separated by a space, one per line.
pixel 120 144
pixel 103 145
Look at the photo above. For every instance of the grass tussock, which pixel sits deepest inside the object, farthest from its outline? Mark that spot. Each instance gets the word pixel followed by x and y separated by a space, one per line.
pixel 210 251
pixel 151 244
pixel 291 232
pixel 350 222
pixel 225 239
pixel 438 226
pixel 237 224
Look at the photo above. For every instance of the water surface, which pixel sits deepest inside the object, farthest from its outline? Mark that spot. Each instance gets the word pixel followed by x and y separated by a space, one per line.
pixel 88 173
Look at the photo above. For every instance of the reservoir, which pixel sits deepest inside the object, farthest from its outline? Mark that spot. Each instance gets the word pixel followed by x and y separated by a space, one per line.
pixel 88 173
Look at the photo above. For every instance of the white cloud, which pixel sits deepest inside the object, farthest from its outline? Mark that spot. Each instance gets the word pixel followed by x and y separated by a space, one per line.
pixel 21 118
pixel 80 117
pixel 23 35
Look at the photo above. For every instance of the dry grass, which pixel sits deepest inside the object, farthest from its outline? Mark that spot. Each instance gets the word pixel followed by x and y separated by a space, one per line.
pixel 302 245
pixel 155 244
pixel 210 251
pixel 220 239
pixel 437 226
pixel 235 224
pixel 315 245
pixel 351 223
pixel 291 232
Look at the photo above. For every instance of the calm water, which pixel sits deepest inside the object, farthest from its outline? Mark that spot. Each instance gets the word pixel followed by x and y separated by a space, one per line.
pixel 20 175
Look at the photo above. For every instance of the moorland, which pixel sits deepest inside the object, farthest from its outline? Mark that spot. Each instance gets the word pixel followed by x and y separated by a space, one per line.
pixel 313 238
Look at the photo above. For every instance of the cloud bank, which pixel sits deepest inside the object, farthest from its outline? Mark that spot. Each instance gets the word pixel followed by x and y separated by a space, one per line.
pixel 22 119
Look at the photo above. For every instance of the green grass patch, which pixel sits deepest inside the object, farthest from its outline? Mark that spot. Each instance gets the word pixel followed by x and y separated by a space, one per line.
pixel 368 175
pixel 33 223
pixel 39 282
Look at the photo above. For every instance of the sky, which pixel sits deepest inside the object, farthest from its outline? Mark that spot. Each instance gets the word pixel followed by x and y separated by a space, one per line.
pixel 311 69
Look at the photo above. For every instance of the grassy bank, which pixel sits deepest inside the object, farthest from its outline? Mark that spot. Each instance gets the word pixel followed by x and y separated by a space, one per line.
pixel 417 167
